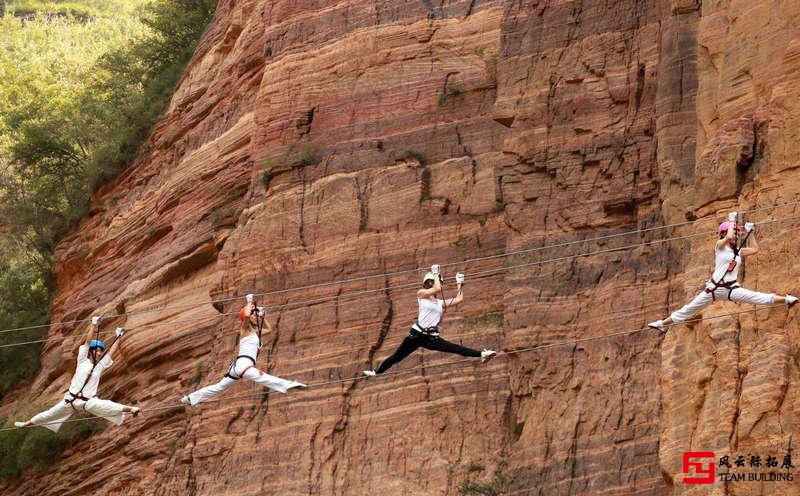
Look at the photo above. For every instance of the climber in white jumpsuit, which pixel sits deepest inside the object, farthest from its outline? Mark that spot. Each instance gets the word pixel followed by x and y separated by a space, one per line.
pixel 245 363
pixel 723 283
pixel 93 360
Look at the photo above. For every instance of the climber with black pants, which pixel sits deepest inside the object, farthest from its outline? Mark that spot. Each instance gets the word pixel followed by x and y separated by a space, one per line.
pixel 425 331
pixel 728 255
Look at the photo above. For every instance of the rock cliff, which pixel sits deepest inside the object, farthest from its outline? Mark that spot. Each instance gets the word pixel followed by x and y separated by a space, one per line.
pixel 310 142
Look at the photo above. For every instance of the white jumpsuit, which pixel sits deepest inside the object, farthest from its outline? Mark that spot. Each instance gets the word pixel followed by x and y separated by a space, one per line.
pixel 243 367
pixel 55 416
pixel 735 293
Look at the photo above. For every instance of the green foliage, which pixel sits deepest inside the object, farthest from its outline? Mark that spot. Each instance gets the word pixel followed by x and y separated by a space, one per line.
pixel 78 98
pixel 131 85
pixel 81 9
pixel 449 94
pixel 266 178
pixel 23 302
pixel 473 488
pixel 302 155
pixel 268 168
pixel 222 216
pixel 35 449
pixel 412 154
pixel 486 487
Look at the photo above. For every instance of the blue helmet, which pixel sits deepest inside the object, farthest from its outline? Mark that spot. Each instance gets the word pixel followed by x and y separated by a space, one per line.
pixel 96 343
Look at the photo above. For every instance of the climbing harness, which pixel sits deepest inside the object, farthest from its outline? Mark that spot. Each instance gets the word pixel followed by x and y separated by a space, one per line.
pixel 232 368
pixel 433 331
pixel 94 344
pixel 231 374
pixel 730 285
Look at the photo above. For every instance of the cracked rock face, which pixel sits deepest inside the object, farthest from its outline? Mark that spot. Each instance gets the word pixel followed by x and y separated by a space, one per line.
pixel 311 142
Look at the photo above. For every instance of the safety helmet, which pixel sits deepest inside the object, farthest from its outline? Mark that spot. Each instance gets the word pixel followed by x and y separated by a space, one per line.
pixel 96 343
pixel 242 312
pixel 723 228
pixel 428 277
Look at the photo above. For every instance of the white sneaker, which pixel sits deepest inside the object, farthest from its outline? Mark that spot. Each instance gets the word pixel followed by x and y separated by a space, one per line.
pixel 790 300
pixel 185 400
pixel 20 424
pixel 487 355
pixel 370 373
pixel 658 324
pixel 135 410
pixel 298 384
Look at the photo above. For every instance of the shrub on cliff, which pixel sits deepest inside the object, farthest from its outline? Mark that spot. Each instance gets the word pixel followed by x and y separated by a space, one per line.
pixel 77 103
pixel 35 449
pixel 23 303
pixel 131 86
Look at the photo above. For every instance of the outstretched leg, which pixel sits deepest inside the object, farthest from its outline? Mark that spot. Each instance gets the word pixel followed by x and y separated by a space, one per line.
pixel 407 347
pixel 789 300
pixel 440 344
pixel 686 312
pixel 270 381
pixel 742 295
pixel 109 410
pixel 52 418
pixel 209 392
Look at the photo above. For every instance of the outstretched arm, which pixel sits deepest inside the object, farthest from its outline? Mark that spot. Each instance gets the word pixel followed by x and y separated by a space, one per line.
pixel 460 295
pixel 120 331
pixel 458 298
pixel 92 331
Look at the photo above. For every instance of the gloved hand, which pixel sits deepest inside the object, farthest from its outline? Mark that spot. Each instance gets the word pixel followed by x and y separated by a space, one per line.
pixel 261 311
pixel 249 298
pixel 749 226
pixel 435 269
pixel 459 278
pixel 732 217
pixel 96 320
pixel 119 331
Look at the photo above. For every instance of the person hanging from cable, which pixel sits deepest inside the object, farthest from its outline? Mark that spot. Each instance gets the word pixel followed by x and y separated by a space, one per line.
pixel 253 324
pixel 728 255
pixel 424 332
pixel 93 360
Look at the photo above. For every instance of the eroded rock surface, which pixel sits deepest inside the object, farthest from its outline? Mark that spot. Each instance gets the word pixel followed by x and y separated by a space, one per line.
pixel 311 142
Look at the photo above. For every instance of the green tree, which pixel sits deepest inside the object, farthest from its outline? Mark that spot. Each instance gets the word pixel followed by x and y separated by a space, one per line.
pixel 77 103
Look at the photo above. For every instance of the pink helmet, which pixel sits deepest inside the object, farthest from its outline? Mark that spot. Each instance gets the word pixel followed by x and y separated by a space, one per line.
pixel 723 228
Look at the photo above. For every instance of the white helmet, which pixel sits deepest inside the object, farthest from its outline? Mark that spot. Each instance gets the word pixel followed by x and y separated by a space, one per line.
pixel 428 277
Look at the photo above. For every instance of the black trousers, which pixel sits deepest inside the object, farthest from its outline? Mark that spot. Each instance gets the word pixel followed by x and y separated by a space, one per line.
pixel 416 340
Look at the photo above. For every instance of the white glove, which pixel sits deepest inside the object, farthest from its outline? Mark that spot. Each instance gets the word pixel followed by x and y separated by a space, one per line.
pixel 249 298
pixel 120 331
pixel 96 320
pixel 459 278
pixel 435 269
pixel 749 226
pixel 261 311
pixel 732 217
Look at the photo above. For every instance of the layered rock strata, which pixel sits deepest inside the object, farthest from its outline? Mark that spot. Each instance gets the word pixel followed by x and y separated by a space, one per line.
pixel 311 142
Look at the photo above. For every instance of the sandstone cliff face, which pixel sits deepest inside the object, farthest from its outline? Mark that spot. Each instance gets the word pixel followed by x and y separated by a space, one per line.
pixel 318 141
